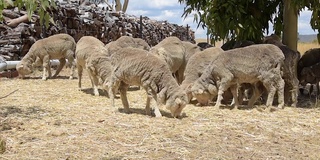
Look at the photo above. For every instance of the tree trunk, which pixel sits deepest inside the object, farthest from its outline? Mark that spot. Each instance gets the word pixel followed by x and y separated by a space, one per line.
pixel 118 5
pixel 125 6
pixel 290 20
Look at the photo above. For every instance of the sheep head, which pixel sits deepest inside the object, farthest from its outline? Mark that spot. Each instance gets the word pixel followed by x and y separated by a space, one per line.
pixel 307 76
pixel 24 68
pixel 177 102
pixel 204 92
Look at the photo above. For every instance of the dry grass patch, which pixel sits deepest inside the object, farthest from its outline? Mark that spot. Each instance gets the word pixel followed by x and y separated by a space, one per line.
pixel 303 47
pixel 53 120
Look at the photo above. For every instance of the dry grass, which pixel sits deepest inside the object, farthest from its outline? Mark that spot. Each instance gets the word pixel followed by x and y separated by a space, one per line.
pixel 303 47
pixel 53 120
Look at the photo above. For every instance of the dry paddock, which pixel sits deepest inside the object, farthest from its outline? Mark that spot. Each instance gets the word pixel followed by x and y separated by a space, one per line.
pixel 53 120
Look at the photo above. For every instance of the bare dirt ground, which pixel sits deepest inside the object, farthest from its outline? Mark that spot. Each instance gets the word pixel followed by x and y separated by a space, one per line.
pixel 53 120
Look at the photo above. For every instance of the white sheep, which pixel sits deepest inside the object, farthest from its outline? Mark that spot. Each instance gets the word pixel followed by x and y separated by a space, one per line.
pixel 87 46
pixel 176 53
pixel 98 65
pixel 126 41
pixel 59 46
pixel 133 66
pixel 195 68
pixel 252 64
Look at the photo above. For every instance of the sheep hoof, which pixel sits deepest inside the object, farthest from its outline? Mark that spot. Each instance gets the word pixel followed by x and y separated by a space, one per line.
pixel 70 77
pixel 44 78
pixel 158 115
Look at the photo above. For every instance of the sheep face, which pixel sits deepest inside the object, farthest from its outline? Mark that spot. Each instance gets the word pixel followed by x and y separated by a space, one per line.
pixel 24 69
pixel 307 76
pixel 204 93
pixel 176 103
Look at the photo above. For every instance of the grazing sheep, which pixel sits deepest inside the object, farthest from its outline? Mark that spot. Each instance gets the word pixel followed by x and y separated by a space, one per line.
pixel 98 65
pixel 59 46
pixel 195 68
pixel 251 64
pixel 87 46
pixel 309 58
pixel 311 75
pixel 176 53
pixel 289 69
pixel 132 66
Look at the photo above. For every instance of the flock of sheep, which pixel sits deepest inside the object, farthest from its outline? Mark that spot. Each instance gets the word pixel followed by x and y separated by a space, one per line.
pixel 174 71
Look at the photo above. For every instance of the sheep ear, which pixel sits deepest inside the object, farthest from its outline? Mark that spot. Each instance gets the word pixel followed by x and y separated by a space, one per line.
pixel 20 66
pixel 178 101
pixel 200 91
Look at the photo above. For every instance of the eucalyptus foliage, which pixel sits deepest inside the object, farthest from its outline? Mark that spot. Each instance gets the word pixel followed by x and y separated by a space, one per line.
pixel 245 19
pixel 42 7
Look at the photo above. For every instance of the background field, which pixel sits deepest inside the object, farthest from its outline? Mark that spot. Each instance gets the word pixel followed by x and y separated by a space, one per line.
pixel 53 120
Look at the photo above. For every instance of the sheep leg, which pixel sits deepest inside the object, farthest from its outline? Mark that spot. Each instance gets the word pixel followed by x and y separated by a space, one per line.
pixel 256 94
pixel 123 95
pixel 62 63
pixel 224 85
pixel 70 58
pixel 294 93
pixel 148 106
pixel 94 82
pixel 234 91
pixel 112 86
pixel 46 68
pixel 80 70
pixel 157 111
pixel 280 87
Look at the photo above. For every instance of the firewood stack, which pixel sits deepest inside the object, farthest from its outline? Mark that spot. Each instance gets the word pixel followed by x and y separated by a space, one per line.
pixel 81 20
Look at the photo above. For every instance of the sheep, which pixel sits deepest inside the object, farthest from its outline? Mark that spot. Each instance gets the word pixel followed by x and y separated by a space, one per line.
pixel 289 69
pixel 98 65
pixel 87 46
pixel 133 66
pixel 195 68
pixel 176 53
pixel 251 64
pixel 204 45
pixel 309 58
pixel 311 75
pixel 126 41
pixel 59 46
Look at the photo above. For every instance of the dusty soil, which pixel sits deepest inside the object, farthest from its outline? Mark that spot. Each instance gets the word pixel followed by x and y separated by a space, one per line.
pixel 54 120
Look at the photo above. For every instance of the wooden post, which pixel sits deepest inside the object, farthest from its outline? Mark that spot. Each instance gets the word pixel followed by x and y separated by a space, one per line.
pixel 187 32
pixel 140 32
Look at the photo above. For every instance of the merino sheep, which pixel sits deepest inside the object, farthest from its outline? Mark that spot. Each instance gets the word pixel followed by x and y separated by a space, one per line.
pixel 59 46
pixel 251 64
pixel 195 68
pixel 133 66
pixel 311 75
pixel 176 53
pixel 98 65
pixel 309 58
pixel 87 46
pixel 289 69
pixel 126 41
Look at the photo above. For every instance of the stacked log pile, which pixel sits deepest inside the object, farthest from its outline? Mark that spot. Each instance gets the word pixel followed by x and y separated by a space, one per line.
pixel 81 20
